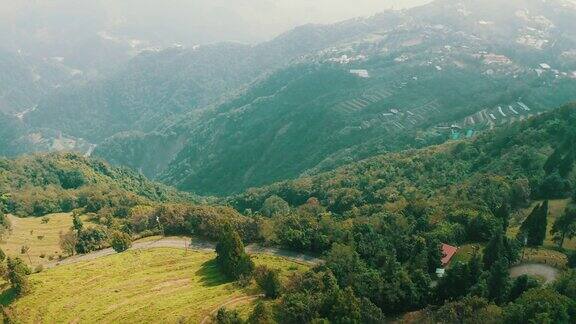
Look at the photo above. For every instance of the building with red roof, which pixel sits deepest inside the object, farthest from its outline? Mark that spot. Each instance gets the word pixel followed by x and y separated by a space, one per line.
pixel 448 252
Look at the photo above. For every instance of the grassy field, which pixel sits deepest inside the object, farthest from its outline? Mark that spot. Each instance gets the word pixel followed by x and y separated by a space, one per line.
pixel 159 285
pixel 556 209
pixel 465 253
pixel 546 254
pixel 43 239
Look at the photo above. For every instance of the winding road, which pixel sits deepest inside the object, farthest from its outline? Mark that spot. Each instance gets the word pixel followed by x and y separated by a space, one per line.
pixel 187 243
pixel 549 273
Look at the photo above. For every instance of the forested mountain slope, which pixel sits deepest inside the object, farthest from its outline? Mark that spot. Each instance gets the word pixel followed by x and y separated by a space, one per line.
pixel 156 87
pixel 25 79
pixel 396 86
pixel 49 183
pixel 533 159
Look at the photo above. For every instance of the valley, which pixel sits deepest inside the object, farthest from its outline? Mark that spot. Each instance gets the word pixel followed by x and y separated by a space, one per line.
pixel 412 166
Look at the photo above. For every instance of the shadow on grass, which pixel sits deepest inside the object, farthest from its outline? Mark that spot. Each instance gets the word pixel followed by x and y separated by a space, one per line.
pixel 210 275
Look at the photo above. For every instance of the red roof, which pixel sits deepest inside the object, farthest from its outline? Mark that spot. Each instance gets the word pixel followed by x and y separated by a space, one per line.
pixel 448 252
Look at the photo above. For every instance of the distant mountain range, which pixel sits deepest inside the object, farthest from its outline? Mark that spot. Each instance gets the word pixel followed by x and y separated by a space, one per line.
pixel 221 118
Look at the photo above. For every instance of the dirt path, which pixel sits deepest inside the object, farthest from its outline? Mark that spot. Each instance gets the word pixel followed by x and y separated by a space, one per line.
pixel 549 273
pixel 208 318
pixel 185 243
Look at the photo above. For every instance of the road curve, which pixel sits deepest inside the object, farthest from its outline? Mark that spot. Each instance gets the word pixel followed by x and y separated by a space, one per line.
pixel 549 273
pixel 187 243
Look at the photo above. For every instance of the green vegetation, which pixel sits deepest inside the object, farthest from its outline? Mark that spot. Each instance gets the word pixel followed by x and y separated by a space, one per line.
pixel 41 238
pixel 232 259
pixel 120 241
pixel 380 221
pixel 165 285
pixel 533 229
pixel 42 184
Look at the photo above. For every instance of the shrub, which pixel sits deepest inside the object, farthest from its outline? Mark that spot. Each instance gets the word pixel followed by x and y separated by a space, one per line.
pixel 120 241
pixel 269 281
pixel 91 239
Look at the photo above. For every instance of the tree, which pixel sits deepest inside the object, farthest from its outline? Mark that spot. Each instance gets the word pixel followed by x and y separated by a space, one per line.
pixel 500 246
pixel 499 282
pixel 77 222
pixel 541 305
pixel 17 272
pixel 261 315
pixel 553 161
pixel 565 226
pixel 567 164
pixel 343 306
pixel 68 242
pixel 521 285
pixel 455 282
pixel 572 260
pixel 71 179
pixel 566 284
pixel 269 281
pixel 91 239
pixel 228 317
pixel 231 257
pixel 25 249
pixel 274 206
pixel 533 229
pixel 120 241
pixel 469 310
pixel 503 214
pixel 555 186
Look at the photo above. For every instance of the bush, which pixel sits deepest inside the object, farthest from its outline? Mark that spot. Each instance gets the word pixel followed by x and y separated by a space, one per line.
pixel 120 241
pixel 91 239
pixel 228 317
pixel 17 272
pixel 269 281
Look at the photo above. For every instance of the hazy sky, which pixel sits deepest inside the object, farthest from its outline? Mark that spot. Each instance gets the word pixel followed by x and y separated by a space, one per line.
pixel 188 21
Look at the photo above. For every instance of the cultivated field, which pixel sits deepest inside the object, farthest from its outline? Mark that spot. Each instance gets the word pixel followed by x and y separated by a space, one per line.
pixel 162 285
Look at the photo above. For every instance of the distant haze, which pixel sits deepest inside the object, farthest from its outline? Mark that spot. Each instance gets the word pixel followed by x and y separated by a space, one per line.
pixel 185 21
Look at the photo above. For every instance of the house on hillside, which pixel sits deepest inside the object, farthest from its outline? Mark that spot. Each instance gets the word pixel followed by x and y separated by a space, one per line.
pixel 448 252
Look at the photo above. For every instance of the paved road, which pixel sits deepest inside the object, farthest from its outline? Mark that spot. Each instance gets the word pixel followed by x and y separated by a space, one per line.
pixel 184 243
pixel 549 273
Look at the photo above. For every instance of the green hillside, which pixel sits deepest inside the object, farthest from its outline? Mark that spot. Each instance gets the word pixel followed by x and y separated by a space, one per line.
pixel 49 183
pixel 446 184
pixel 384 89
pixel 167 285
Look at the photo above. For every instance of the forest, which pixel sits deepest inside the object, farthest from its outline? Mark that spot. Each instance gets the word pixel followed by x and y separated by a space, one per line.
pixel 378 224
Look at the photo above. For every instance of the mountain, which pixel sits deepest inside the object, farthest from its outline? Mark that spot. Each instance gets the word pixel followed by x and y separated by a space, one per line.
pixel 25 79
pixel 10 129
pixel 59 182
pixel 158 87
pixel 528 160
pixel 397 80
